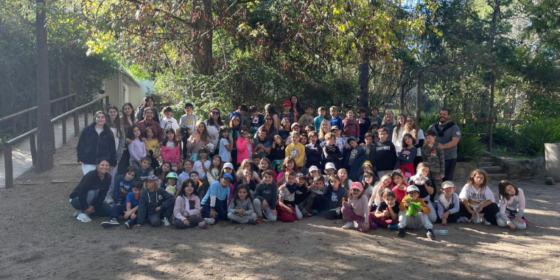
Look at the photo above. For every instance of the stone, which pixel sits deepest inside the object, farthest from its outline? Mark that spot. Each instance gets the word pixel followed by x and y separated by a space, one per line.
pixel 552 157
pixel 549 181
pixel 463 170
pixel 524 169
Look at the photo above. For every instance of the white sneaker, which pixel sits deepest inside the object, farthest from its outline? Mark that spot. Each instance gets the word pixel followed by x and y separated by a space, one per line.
pixel 348 225
pixel 209 221
pixel 83 217
pixel 486 222
pixel 165 222
pixel 109 200
pixel 75 215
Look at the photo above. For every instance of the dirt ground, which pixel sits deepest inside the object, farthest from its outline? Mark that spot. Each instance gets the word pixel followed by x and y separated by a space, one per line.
pixel 40 240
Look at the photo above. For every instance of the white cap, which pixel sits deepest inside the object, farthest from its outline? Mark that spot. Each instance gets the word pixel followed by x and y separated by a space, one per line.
pixel 330 165
pixel 313 168
pixel 447 184
pixel 228 165
pixel 412 188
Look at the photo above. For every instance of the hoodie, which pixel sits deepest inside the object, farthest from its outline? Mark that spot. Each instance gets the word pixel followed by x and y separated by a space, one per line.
pixel 121 190
pixel 267 192
pixel 91 181
pixel 149 201
pixel 385 156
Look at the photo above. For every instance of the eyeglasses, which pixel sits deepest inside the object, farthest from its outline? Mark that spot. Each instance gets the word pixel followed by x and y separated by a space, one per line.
pixel 235 120
pixel 215 113
pixel 268 119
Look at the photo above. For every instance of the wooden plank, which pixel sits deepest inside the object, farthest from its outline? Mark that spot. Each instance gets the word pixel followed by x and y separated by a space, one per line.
pixel 9 166
pixel 64 131
pixel 510 121
pixel 476 120
pixel 33 148
pixel 474 134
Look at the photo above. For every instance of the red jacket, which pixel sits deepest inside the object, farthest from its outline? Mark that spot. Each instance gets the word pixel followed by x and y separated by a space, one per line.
pixel 155 125
pixel 351 128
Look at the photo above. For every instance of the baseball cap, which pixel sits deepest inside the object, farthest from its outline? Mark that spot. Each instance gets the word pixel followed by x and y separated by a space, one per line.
pixel 334 127
pixel 300 175
pixel 189 104
pixel 172 175
pixel 228 176
pixel 294 124
pixel 412 188
pixel 313 168
pixel 330 165
pixel 228 165
pixel 447 184
pixel 357 185
pixel 151 178
pixel 288 103
pixel 367 162
pixel 351 138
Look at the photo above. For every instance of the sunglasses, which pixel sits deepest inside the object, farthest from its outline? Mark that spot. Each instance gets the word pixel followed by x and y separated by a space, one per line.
pixel 215 113
pixel 235 120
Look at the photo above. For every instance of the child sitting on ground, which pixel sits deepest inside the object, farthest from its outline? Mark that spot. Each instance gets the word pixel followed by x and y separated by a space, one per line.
pixel 155 204
pixel 333 194
pixel 448 205
pixel 387 213
pixel 287 209
pixel 512 206
pixel 214 203
pixel 127 208
pixel 266 196
pixel 241 209
pixel 421 217
pixel 356 209
pixel 187 207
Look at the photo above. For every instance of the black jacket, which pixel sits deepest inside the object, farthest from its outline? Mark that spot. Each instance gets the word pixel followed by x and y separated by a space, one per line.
pixel 91 181
pixel 314 154
pixel 93 146
pixel 353 160
pixel 149 201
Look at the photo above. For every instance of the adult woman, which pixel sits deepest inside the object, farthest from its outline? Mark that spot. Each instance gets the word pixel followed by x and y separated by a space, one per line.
pixel 398 133
pixel 416 132
pixel 127 121
pixel 296 108
pixel 117 129
pixel 269 127
pixel 323 130
pixel 235 126
pixel 213 124
pixel 148 102
pixel 96 142
pixel 389 121
pixel 88 196
pixel 269 109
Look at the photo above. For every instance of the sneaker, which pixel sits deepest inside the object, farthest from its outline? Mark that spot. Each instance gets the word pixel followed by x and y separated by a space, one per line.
pixel 75 215
pixel 259 220
pixel 486 222
pixel 355 224
pixel 110 224
pixel 314 213
pixel 462 220
pixel 83 217
pixel 348 225
pixel 210 221
pixel 128 224
pixel 165 222
pixel 251 222
pixel 393 227
pixel 202 225
pixel 109 200
pixel 401 232
pixel 309 215
pixel 430 234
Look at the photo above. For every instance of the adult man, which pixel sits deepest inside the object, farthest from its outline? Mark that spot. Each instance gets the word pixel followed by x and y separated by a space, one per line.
pixel 150 121
pixel 148 102
pixel 448 136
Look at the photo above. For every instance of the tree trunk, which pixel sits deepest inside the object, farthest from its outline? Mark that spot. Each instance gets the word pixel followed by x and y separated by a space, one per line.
pixel 419 99
pixel 45 149
pixel 402 98
pixel 492 36
pixel 203 60
pixel 363 82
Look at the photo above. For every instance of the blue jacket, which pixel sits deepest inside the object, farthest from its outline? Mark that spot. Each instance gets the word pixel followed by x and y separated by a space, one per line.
pixel 93 146
pixel 121 189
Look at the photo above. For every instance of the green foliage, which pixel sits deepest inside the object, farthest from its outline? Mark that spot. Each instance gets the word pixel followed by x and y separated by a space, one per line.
pixel 534 134
pixel 470 149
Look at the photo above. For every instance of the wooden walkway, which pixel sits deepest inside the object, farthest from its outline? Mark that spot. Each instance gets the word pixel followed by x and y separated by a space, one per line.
pixel 21 153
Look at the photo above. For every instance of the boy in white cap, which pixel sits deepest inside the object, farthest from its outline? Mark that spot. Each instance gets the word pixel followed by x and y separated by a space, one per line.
pixel 448 205
pixel 421 218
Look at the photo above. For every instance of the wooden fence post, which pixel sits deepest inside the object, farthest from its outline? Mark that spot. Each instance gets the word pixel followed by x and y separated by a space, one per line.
pixel 76 124
pixel 9 167
pixel 14 129
pixel 33 148
pixel 29 120
pixel 63 130
pixel 85 117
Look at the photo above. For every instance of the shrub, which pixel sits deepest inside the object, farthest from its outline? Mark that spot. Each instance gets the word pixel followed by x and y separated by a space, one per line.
pixel 503 135
pixel 470 149
pixel 533 134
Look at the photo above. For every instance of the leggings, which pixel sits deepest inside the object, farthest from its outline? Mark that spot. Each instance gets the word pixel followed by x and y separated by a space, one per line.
pixel 193 220
pixel 489 212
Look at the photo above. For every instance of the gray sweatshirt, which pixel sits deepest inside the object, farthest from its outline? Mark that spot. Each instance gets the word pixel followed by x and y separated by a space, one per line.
pixel 268 193
pixel 247 205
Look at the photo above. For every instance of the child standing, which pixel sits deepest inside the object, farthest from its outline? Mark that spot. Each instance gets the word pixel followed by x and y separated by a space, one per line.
pixel 448 205
pixel 350 126
pixel 171 148
pixel 277 153
pixel 266 196
pixel 356 209
pixel 202 164
pixel 155 204
pixel 385 154
pixel 168 122
pixel 414 221
pixel 512 206
pixel 313 151
pixel 257 119
pixel 296 150
pixel 387 213
pixel 321 111
pixel 187 207
pixel 214 203
pixel 333 195
pixel 198 140
pixel 331 152
pixel 188 119
pixel 287 112
pixel 307 119
pixel 226 144
pixel 136 148
pixel 241 209
pixel 244 145
pixel 153 147
pixel 335 119
pixel 435 158
pixel 339 141
pixel 287 209
pixel 477 198
pixel 407 155
pixel 364 123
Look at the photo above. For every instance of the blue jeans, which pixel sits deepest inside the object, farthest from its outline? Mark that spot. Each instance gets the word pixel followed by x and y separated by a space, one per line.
pixel 449 169
pixel 220 208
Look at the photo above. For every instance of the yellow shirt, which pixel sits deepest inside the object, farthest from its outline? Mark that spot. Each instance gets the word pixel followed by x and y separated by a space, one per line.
pixel 152 145
pixel 297 151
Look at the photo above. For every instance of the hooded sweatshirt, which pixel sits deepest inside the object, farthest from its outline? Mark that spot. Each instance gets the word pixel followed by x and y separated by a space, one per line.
pixel 267 192
pixel 149 201
pixel 91 181
pixel 385 156
pixel 121 190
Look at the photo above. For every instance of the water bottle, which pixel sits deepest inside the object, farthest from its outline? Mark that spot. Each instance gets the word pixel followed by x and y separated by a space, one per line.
pixel 441 232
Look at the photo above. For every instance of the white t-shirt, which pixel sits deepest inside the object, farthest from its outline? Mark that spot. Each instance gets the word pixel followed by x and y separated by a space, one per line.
pixel 198 168
pixel 288 197
pixel 476 197
pixel 169 123
pixel 223 152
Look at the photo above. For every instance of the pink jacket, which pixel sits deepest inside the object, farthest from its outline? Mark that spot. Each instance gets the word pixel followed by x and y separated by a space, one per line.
pixel 178 210
pixel 242 151
pixel 171 155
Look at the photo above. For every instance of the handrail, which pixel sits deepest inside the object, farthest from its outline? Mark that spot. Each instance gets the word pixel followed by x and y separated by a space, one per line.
pixel 33 108
pixel 33 131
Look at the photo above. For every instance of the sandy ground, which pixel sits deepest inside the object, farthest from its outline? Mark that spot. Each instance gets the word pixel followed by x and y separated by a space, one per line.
pixel 40 240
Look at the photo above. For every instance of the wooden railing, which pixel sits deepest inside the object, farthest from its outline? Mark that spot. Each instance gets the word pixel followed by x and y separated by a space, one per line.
pixel 477 121
pixel 74 113
pixel 58 106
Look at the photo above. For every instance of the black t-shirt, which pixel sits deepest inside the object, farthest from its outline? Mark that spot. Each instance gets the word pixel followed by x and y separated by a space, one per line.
pixel 301 194
pixel 383 206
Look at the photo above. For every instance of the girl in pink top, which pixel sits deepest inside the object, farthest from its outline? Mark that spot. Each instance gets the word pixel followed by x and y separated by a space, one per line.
pixel 356 209
pixel 244 145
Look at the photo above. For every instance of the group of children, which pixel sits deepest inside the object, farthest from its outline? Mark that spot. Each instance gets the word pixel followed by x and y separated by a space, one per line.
pixel 340 169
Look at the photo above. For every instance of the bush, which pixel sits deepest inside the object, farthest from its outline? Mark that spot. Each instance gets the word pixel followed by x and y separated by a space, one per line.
pixel 503 135
pixel 470 149
pixel 533 134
